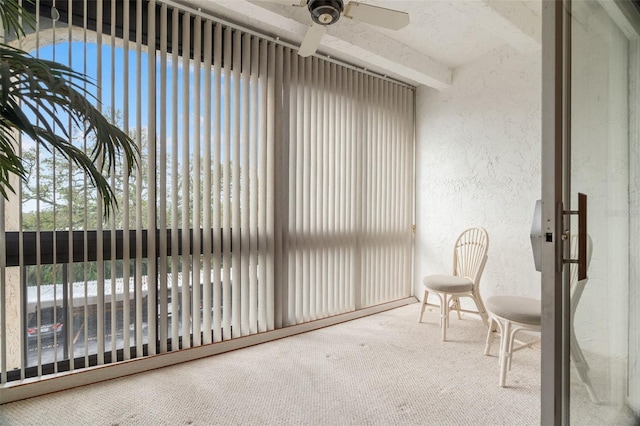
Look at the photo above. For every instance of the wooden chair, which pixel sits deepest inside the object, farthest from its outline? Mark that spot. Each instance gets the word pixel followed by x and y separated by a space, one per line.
pixel 469 259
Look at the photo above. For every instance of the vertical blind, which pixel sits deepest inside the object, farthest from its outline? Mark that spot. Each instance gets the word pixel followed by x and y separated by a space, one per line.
pixel 272 190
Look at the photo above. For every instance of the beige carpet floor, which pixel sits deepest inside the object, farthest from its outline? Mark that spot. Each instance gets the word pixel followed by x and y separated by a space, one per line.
pixel 385 369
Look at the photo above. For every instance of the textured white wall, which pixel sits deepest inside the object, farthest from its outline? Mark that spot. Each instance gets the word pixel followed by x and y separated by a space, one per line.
pixel 478 155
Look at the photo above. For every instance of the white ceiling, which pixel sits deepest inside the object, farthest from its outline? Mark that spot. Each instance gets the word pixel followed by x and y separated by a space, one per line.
pixel 442 35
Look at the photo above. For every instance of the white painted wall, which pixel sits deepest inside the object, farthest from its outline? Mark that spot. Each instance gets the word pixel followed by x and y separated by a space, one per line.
pixel 478 155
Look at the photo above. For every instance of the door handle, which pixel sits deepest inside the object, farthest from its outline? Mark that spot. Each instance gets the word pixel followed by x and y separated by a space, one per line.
pixel 582 236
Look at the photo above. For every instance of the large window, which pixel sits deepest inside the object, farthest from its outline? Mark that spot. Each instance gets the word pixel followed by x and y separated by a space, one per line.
pixel 272 190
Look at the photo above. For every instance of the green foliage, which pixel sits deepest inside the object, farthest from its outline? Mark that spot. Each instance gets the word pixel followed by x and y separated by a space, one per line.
pixel 59 187
pixel 14 18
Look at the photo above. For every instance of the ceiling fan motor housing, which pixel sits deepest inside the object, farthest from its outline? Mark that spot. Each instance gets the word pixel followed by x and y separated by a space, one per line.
pixel 325 12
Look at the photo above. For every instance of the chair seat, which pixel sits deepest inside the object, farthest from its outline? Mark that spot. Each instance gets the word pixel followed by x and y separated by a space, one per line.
pixel 514 308
pixel 448 283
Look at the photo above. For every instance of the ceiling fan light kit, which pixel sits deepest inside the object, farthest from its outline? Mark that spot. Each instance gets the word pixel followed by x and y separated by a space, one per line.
pixel 325 12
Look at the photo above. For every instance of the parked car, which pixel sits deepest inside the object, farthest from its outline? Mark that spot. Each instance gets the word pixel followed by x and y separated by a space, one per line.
pixel 48 325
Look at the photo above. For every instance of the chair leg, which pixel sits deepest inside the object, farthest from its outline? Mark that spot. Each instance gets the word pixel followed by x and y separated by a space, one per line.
pixel 481 310
pixel 440 298
pixel 500 330
pixel 505 355
pixel 444 315
pixel 456 305
pixel 512 339
pixel 424 304
pixel 490 336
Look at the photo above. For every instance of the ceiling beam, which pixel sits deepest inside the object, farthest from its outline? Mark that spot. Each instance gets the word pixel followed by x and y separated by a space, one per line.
pixel 512 21
pixel 347 40
pixel 354 42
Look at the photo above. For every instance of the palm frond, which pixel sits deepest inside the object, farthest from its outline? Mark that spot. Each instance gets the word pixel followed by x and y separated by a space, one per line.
pixel 15 17
pixel 46 91
pixel 10 162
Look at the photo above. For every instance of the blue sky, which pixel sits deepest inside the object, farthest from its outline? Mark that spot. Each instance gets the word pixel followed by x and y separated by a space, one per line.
pixel 60 53
pixel 80 51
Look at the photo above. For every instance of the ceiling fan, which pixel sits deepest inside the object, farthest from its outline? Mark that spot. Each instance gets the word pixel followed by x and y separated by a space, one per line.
pixel 327 12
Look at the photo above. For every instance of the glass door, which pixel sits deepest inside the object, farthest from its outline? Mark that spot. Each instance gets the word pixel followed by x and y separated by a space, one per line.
pixel 591 363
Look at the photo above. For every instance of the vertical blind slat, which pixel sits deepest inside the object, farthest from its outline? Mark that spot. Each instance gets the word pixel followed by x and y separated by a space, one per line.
pixel 216 180
pixel 139 189
pixel 307 286
pixel 175 217
pixel 207 246
pixel 38 235
pixel 163 299
pixel 409 183
pixel 301 89
pixel 262 190
pixel 323 184
pixel 338 209
pixel 235 195
pixel 366 183
pixel 394 218
pixel 113 171
pixel 196 258
pixel 286 201
pixel 253 188
pixel 70 266
pixel 245 230
pixel 126 242
pixel 276 185
pixel 359 291
pixel 269 235
pixel 226 187
pixel 382 185
pixel 313 172
pixel 100 252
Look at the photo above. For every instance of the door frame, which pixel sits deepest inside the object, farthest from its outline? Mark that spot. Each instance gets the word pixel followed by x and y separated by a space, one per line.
pixel 552 392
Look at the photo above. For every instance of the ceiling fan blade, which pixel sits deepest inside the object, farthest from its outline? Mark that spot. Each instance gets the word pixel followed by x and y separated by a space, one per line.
pixel 311 40
pixel 374 15
pixel 287 2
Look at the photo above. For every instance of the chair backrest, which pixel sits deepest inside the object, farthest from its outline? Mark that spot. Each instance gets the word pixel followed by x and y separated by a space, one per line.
pixel 577 286
pixel 470 254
